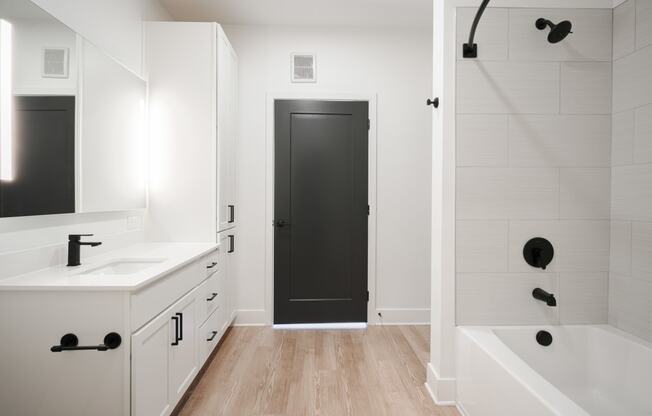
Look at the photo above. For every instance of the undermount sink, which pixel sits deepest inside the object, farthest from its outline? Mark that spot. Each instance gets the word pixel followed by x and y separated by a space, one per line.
pixel 124 266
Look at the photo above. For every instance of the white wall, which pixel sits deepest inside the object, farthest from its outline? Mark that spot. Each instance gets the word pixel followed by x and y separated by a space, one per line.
pixel 396 65
pixel 533 160
pixel 630 278
pixel 32 243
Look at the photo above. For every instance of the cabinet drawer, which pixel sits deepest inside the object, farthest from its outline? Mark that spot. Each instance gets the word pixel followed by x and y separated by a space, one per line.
pixel 210 263
pixel 211 295
pixel 210 334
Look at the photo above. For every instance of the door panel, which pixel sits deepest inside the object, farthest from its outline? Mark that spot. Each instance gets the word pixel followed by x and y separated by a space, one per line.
pixel 321 176
pixel 184 362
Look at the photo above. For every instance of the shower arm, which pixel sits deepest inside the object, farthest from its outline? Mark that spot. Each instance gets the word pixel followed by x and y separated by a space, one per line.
pixel 470 50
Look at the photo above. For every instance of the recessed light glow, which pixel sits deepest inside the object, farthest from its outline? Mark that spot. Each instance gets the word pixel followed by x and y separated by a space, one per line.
pixel 6 101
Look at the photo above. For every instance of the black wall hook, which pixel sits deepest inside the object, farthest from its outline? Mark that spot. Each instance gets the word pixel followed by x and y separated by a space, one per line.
pixel 70 342
pixel 434 103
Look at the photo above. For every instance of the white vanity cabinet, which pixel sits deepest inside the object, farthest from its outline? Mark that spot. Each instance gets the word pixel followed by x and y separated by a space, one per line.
pixel 169 326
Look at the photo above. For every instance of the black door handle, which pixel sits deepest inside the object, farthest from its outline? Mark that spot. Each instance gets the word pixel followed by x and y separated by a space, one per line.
pixel 280 223
pixel 176 331
pixel 231 213
pixel 70 342
pixel 180 315
pixel 231 244
pixel 214 334
pixel 434 103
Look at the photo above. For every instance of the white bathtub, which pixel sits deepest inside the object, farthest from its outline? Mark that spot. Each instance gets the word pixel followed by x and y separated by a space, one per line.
pixel 587 370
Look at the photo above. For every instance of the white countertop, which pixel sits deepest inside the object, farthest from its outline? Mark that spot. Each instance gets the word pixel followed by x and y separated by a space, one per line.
pixel 174 256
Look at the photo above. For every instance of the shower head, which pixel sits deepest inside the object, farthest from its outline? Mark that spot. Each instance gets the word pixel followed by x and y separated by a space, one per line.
pixel 558 32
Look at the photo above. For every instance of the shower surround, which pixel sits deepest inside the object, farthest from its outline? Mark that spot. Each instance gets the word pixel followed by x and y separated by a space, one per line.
pixel 533 138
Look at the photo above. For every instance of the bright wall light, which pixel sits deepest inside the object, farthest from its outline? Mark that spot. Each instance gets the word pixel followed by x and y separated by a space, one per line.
pixel 6 101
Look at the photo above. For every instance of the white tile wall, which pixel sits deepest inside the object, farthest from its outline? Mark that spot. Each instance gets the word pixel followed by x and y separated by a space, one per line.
pixel 507 87
pixel 590 40
pixel 624 41
pixel 643 134
pixel 643 23
pixel 630 279
pixel 586 87
pixel 491 34
pixel 482 246
pixel 534 127
pixel 632 83
pixel 482 140
pixel 585 193
pixel 622 138
pixel 559 141
pixel 504 298
pixel 507 193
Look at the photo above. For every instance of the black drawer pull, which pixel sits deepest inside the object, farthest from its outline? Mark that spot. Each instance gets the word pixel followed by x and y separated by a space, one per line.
pixel 70 342
pixel 213 296
pixel 214 334
pixel 231 214
pixel 213 264
pixel 176 331
pixel 180 315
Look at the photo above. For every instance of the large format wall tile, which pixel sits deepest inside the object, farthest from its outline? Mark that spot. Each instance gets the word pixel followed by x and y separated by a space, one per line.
pixel 482 140
pixel 583 298
pixel 507 87
pixel 481 246
pixel 630 308
pixel 580 245
pixel 642 251
pixel 622 138
pixel 505 193
pixel 586 87
pixel 620 256
pixel 631 192
pixel 491 36
pixel 643 23
pixel 643 135
pixel 632 80
pixel 624 29
pixel 585 193
pixel 503 299
pixel 560 141
pixel 590 40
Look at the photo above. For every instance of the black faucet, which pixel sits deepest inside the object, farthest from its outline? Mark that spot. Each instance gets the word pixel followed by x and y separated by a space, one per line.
pixel 74 243
pixel 542 295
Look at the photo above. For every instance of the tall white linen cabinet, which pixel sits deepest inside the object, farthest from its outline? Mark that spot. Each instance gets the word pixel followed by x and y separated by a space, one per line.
pixel 192 71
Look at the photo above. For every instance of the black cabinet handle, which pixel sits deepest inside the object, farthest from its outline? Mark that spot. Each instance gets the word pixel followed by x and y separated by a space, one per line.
pixel 176 331
pixel 231 214
pixel 213 264
pixel 434 103
pixel 180 315
pixel 280 223
pixel 70 342
pixel 214 334
pixel 231 244
pixel 213 295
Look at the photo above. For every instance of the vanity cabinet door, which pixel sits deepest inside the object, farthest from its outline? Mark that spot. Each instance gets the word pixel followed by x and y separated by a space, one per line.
pixel 150 369
pixel 183 356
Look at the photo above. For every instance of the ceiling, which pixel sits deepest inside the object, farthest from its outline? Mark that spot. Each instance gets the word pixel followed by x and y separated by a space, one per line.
pixel 377 13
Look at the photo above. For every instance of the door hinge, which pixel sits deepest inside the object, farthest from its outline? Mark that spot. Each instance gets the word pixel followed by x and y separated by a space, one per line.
pixel 367 296
pixel 368 124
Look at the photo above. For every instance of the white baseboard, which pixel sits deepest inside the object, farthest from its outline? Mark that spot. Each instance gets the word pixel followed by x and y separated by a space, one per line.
pixel 392 316
pixel 251 317
pixel 442 390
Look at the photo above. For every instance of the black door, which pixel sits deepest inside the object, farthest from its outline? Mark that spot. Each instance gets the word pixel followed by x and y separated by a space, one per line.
pixel 321 211
pixel 44 158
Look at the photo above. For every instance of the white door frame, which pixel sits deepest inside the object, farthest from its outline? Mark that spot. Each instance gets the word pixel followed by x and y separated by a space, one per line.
pixel 371 98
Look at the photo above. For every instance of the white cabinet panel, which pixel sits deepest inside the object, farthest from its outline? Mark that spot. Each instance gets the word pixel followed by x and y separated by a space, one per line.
pixel 150 371
pixel 183 356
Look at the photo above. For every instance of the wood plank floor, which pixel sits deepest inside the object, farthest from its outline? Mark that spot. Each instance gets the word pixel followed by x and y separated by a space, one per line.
pixel 261 371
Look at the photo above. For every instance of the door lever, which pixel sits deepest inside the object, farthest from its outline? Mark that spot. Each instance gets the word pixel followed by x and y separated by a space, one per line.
pixel 279 223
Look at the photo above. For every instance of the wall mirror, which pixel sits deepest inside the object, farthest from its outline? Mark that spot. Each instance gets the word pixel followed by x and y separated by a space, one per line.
pixel 72 121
